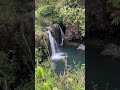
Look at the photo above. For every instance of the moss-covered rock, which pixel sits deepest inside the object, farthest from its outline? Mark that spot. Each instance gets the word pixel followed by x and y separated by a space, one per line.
pixel 72 33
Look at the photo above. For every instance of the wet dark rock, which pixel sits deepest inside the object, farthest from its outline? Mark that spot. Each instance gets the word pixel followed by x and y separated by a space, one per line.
pixel 71 31
pixel 81 47
pixel 111 50
pixel 55 31
pixel 83 34
pixel 95 43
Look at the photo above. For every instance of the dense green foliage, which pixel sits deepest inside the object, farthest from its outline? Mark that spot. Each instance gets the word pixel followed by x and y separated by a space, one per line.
pixel 114 14
pixel 103 16
pixel 48 12
pixel 16 45
pixel 74 14
pixel 47 79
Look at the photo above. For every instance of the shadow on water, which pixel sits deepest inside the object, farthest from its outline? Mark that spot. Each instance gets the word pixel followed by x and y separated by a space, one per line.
pixel 73 54
pixel 99 68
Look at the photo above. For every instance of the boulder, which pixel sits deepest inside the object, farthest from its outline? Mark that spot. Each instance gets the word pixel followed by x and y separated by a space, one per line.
pixel 81 47
pixel 111 50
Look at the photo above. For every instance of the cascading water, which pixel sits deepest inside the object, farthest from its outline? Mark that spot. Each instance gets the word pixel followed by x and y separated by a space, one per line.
pixel 52 43
pixel 55 55
pixel 62 35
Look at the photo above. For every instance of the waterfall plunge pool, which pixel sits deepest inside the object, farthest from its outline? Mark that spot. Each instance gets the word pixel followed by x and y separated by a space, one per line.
pixel 67 51
pixel 58 56
pixel 72 55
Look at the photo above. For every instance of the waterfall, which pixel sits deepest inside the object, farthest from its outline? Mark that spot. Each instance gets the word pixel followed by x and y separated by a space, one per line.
pixel 62 35
pixel 53 44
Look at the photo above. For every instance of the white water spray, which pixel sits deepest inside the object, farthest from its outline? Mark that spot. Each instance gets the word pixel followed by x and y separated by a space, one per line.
pixel 62 35
pixel 55 55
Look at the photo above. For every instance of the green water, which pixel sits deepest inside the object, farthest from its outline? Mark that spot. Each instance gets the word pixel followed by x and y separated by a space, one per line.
pixel 99 69
pixel 73 54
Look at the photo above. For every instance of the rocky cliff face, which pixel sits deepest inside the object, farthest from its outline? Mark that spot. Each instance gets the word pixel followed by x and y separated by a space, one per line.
pixel 71 31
